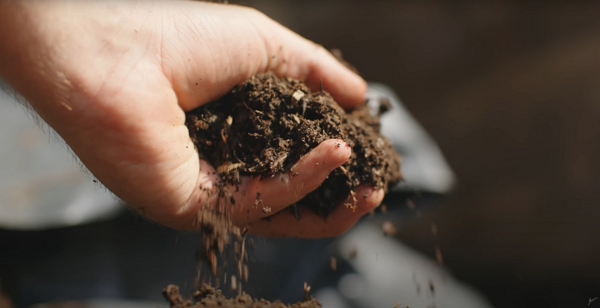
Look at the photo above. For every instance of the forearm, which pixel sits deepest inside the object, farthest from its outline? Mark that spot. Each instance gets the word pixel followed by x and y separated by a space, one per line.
pixel 70 60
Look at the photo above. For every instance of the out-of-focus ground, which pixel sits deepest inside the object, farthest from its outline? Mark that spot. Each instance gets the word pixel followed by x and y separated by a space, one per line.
pixel 511 92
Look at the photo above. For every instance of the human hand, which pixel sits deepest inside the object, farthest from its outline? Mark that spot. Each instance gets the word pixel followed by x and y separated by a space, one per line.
pixel 115 78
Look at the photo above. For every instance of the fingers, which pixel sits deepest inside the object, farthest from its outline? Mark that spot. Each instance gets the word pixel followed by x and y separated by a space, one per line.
pixel 274 193
pixel 284 224
pixel 257 198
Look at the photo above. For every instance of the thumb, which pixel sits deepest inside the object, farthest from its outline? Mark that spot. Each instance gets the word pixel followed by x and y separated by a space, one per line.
pixel 226 44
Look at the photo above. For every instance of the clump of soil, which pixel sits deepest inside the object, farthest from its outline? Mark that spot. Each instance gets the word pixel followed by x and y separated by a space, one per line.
pixel 263 126
pixel 209 297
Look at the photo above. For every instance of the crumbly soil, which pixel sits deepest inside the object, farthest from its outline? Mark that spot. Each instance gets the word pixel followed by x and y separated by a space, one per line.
pixel 209 297
pixel 263 126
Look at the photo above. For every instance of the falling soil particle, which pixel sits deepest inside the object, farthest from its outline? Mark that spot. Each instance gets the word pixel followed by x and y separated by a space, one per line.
pixel 306 291
pixel 389 229
pixel 417 284
pixel 209 297
pixel 431 286
pixel 333 263
pixel 265 125
pixel 438 256
pixel 353 253
pixel 383 208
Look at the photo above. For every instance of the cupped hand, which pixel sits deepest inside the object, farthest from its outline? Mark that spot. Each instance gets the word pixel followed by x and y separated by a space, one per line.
pixel 115 78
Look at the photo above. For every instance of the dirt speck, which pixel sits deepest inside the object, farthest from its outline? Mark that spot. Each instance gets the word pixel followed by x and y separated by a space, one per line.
pixel 352 253
pixel 389 229
pixel 438 256
pixel 431 286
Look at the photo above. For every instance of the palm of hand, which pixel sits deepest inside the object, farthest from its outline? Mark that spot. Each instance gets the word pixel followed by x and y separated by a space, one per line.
pixel 135 69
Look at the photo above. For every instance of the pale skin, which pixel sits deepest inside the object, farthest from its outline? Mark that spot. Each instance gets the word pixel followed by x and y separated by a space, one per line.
pixel 114 79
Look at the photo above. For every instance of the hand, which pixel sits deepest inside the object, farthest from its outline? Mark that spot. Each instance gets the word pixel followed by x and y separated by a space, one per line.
pixel 115 78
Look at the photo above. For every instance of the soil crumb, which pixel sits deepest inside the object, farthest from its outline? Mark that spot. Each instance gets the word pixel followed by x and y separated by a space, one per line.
pixel 353 253
pixel 410 204
pixel 383 208
pixel 389 229
pixel 264 126
pixel 431 286
pixel 433 228
pixel 209 297
pixel 438 256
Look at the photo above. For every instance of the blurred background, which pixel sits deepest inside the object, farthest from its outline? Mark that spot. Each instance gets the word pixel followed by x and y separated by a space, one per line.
pixel 510 91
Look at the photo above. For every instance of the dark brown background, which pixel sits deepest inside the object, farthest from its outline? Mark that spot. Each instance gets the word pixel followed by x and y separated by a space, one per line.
pixel 511 92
